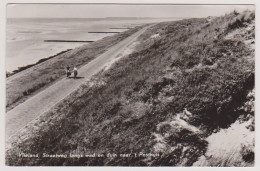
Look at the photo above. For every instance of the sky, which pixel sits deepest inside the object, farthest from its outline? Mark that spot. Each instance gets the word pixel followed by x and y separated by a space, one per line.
pixel 113 10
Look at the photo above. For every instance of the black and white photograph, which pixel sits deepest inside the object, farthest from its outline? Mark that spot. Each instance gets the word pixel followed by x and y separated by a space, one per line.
pixel 130 84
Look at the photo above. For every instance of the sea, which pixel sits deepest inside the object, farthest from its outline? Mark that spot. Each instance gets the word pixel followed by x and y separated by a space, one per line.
pixel 25 37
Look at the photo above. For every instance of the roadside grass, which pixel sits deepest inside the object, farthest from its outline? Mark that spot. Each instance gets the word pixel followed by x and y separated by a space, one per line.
pixel 189 65
pixel 45 73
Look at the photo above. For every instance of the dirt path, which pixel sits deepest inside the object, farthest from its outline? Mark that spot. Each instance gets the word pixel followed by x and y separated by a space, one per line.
pixel 21 115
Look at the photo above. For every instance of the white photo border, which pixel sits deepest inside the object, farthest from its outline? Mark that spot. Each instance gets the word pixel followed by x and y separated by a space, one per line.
pixel 3 4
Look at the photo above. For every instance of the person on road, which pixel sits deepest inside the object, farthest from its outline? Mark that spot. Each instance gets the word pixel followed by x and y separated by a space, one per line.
pixel 68 71
pixel 75 71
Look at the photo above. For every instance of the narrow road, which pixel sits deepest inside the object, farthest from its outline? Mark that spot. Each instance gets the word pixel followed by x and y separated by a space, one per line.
pixel 21 115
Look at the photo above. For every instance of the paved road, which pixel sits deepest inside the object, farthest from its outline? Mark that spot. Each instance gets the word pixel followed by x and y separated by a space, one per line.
pixel 21 115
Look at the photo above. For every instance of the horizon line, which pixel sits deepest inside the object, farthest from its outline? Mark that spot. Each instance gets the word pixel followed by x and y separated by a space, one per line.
pixel 82 17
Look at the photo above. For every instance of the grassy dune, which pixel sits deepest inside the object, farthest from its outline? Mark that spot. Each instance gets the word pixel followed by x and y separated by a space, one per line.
pixel 137 105
pixel 44 74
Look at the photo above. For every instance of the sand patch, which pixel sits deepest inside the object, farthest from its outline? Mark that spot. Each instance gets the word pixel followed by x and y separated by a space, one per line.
pixel 225 146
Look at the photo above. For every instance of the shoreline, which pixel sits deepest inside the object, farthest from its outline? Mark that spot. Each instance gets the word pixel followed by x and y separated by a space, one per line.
pixel 23 68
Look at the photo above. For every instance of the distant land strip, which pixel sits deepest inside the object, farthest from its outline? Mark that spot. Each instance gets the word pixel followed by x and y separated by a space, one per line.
pixel 122 28
pixel 105 32
pixel 29 32
pixel 88 41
